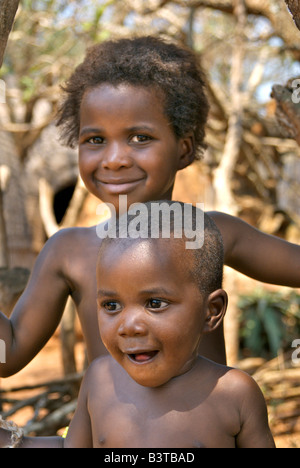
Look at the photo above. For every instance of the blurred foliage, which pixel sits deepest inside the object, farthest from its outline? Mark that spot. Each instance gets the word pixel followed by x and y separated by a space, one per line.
pixel 269 322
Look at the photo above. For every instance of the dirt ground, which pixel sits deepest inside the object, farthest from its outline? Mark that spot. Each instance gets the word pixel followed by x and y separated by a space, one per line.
pixel 47 366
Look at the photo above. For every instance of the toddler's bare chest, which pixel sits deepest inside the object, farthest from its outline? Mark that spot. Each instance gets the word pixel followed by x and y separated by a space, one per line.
pixel 124 427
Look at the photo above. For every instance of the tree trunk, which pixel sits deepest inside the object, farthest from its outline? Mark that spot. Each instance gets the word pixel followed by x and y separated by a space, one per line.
pixel 4 180
pixel 224 173
pixel 294 7
pixel 288 108
pixel 287 97
pixel 68 338
pixel 3 236
pixel 8 10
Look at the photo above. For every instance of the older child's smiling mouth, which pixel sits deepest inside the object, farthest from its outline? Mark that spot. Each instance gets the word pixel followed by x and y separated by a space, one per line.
pixel 119 185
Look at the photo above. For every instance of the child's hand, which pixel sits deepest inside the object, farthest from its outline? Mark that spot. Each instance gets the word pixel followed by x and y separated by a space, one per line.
pixel 10 434
pixel 5 438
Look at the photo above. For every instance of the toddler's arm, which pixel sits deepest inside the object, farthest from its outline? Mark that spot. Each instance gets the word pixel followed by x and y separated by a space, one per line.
pixel 80 431
pixel 251 406
pixel 258 255
pixel 39 310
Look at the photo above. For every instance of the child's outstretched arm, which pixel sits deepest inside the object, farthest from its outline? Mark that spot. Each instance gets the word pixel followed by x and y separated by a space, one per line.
pixel 79 434
pixel 6 441
pixel 258 255
pixel 39 310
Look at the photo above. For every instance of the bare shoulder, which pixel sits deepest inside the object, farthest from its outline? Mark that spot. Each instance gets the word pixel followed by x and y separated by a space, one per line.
pixel 226 222
pixel 250 405
pixel 97 381
pixel 222 220
pixel 243 391
pixel 240 405
pixel 71 241
pixel 233 382
pixel 64 253
pixel 228 225
pixel 70 235
pixel 99 369
pixel 238 380
pixel 236 234
pixel 59 248
pixel 99 365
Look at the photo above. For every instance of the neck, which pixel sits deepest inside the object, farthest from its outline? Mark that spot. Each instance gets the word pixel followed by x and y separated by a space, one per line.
pixel 123 207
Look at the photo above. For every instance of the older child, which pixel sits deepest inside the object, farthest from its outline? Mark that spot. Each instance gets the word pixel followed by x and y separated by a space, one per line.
pixel 156 300
pixel 137 109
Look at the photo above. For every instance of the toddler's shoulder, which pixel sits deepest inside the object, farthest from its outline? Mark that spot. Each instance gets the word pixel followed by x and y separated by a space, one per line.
pixel 99 368
pixel 241 387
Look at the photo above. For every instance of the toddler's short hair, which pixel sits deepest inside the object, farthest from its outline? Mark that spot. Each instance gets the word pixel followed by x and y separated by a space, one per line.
pixel 149 62
pixel 205 264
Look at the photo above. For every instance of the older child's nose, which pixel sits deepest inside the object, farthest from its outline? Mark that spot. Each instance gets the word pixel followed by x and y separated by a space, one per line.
pixel 116 156
pixel 132 323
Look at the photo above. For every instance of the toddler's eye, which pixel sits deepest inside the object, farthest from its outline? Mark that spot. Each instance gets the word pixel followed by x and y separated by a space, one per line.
pixel 112 306
pixel 156 304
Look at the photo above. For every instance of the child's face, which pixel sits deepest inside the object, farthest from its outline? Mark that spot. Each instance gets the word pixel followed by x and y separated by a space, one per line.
pixel 127 146
pixel 151 314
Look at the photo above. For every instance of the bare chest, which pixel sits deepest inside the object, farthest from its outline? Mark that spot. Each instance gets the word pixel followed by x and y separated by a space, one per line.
pixel 123 426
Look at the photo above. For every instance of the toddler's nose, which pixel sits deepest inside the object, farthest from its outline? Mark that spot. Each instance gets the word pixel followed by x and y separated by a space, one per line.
pixel 132 324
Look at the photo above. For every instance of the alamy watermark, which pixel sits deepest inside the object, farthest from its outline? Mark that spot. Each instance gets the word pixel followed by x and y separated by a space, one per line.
pixel 296 353
pixel 2 92
pixel 2 352
pixel 184 225
pixel 296 92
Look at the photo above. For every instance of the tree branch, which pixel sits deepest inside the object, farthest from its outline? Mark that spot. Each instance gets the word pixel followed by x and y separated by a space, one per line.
pixel 287 111
pixel 8 10
pixel 294 7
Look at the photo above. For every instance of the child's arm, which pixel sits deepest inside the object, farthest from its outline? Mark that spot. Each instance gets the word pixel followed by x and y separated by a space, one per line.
pixel 30 442
pixel 79 434
pixel 39 310
pixel 11 436
pixel 80 430
pixel 254 427
pixel 260 256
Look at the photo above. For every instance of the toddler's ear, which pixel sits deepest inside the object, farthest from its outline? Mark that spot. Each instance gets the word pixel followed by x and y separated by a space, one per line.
pixel 216 309
pixel 188 151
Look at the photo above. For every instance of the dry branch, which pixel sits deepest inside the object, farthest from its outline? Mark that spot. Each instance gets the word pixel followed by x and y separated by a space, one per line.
pixel 287 111
pixel 294 7
pixel 8 9
pixel 280 382
pixel 56 400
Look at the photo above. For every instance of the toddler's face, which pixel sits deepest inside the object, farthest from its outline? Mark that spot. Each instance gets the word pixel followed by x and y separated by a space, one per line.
pixel 127 146
pixel 151 314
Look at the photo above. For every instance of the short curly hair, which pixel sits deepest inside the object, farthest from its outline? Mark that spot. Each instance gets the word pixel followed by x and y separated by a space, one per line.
pixel 148 62
pixel 205 263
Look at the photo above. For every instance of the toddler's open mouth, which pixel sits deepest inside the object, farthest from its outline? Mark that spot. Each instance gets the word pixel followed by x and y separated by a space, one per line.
pixel 142 357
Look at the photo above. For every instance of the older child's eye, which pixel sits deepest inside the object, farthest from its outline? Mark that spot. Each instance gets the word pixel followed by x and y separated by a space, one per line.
pixel 140 139
pixel 112 306
pixel 156 304
pixel 96 140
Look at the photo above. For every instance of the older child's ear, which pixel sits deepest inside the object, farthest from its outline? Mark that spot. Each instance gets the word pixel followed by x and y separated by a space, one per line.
pixel 216 309
pixel 188 151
